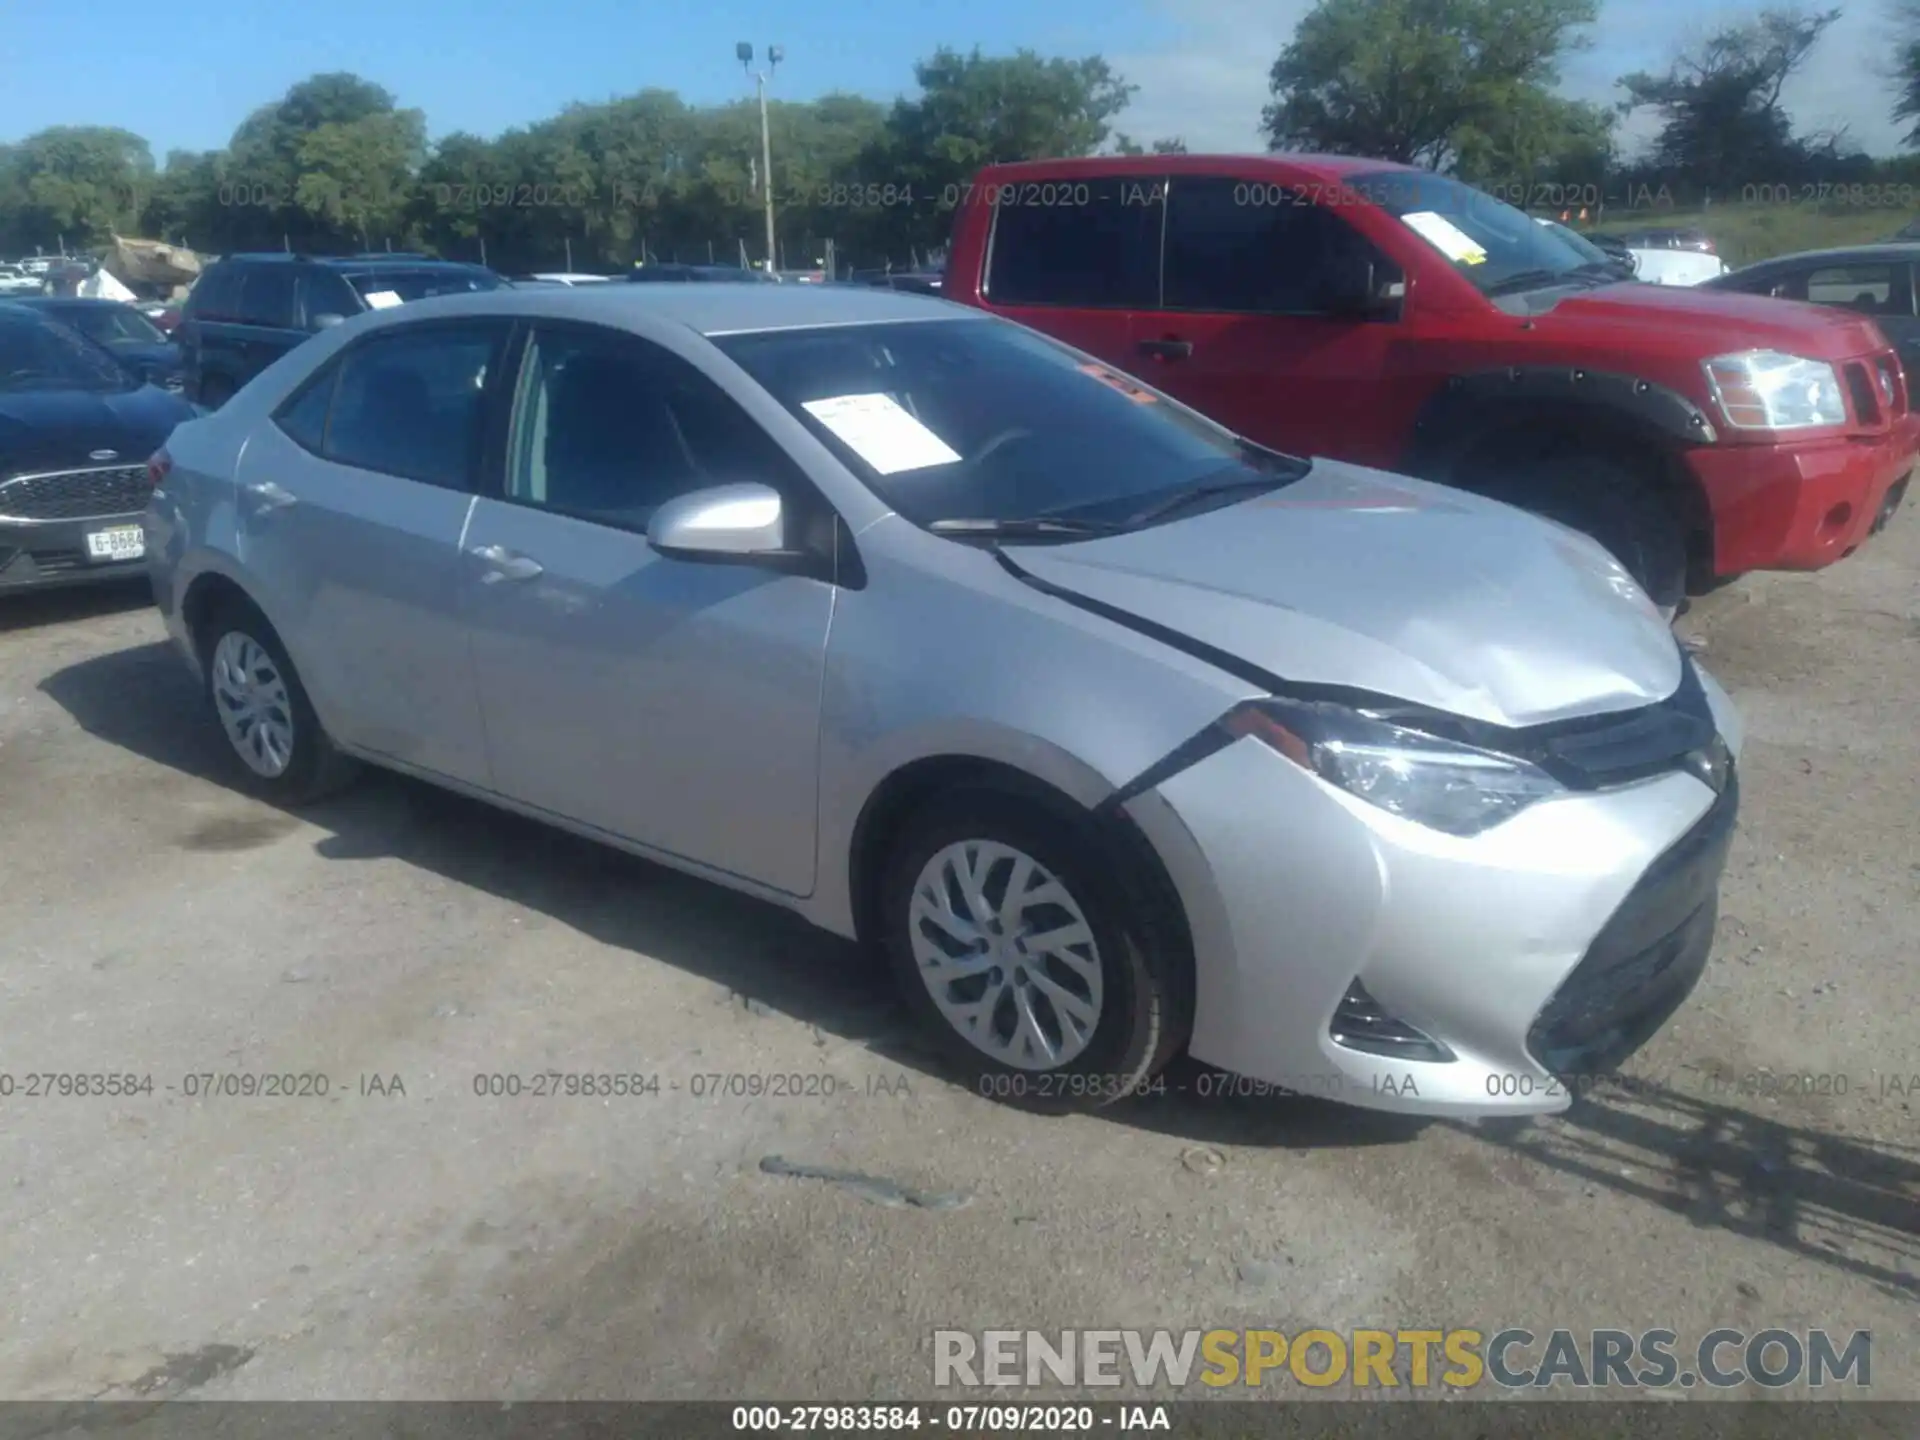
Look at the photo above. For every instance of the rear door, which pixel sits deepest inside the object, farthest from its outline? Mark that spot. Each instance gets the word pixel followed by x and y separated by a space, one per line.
pixel 1076 259
pixel 268 320
pixel 1241 335
pixel 352 505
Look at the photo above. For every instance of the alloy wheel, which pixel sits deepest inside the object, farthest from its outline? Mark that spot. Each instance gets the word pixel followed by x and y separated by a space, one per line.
pixel 255 710
pixel 1007 954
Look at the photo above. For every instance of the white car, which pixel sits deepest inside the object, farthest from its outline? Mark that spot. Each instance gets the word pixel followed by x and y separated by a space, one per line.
pixel 15 281
pixel 1675 267
pixel 1659 267
pixel 569 277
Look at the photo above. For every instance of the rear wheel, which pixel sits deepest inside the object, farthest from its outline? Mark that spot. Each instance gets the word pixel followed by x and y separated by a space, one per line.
pixel 1618 500
pixel 264 712
pixel 1044 981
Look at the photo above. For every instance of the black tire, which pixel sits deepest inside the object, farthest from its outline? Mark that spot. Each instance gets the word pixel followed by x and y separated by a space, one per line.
pixel 1618 500
pixel 314 768
pixel 1145 968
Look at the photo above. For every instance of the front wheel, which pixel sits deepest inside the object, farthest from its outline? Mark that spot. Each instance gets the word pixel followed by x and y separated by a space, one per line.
pixel 1613 500
pixel 1040 977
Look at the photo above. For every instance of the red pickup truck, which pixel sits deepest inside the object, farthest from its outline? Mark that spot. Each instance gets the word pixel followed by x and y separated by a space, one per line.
pixel 1392 317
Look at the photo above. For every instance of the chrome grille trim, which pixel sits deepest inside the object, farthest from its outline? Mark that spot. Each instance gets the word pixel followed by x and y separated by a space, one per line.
pixel 104 492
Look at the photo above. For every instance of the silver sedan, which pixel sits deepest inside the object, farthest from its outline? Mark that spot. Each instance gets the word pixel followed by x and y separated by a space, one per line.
pixel 1120 735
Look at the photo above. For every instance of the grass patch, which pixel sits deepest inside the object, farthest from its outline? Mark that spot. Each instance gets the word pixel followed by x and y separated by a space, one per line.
pixel 1747 234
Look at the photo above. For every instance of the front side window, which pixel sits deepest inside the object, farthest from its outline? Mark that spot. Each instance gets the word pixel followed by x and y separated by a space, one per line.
pixel 952 421
pixel 1081 243
pixel 1254 249
pixel 410 403
pixel 328 294
pixel 608 427
pixel 1500 249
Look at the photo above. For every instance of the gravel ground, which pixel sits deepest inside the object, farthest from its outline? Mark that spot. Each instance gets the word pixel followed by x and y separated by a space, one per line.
pixel 403 1237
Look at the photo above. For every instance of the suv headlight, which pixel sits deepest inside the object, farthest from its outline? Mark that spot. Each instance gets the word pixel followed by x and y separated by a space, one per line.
pixel 1770 390
pixel 1440 783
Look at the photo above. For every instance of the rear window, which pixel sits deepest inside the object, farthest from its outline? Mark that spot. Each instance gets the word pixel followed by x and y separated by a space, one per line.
pixel 419 284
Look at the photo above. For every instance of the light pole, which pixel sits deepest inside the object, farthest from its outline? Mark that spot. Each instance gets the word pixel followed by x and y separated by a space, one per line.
pixel 775 55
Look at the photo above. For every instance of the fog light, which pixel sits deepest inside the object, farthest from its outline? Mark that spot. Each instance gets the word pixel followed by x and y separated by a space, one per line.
pixel 1838 516
pixel 1362 1023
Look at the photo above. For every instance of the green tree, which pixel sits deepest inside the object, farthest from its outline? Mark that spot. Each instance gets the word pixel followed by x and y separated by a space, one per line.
pixel 1124 144
pixel 975 110
pixel 1719 101
pixel 83 182
pixel 330 161
pixel 1416 80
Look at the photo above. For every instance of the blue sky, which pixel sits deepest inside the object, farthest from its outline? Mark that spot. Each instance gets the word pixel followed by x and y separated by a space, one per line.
pixel 1201 64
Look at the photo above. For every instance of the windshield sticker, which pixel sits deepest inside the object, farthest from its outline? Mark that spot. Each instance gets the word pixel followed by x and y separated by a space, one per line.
pixel 880 432
pixel 381 299
pixel 1446 237
pixel 1115 381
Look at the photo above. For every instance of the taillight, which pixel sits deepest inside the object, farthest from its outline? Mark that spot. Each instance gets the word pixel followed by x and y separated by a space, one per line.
pixel 159 466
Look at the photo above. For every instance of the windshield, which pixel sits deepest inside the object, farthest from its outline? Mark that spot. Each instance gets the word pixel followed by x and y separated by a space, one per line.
pixel 1500 249
pixel 37 354
pixel 981 420
pixel 406 285
pixel 112 325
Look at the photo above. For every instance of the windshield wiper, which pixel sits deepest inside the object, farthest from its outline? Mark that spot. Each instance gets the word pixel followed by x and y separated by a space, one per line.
pixel 1526 280
pixel 1209 490
pixel 1024 526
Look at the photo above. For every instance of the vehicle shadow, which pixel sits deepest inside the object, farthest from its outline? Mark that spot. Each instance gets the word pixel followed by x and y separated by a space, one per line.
pixel 32 609
pixel 1849 1202
pixel 142 700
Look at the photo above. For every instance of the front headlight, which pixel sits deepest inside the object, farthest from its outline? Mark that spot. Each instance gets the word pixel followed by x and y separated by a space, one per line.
pixel 1770 390
pixel 1440 783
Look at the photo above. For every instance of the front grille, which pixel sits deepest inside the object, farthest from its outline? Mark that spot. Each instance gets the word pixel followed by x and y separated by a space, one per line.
pixel 76 494
pixel 1866 404
pixel 1646 960
pixel 1617 749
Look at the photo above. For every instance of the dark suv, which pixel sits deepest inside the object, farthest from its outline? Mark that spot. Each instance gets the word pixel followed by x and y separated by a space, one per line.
pixel 246 311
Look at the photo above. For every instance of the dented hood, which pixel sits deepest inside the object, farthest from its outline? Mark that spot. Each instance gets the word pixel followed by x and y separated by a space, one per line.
pixel 1357 578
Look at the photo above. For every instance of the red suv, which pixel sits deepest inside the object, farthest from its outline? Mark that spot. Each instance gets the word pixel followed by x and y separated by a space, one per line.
pixel 1392 317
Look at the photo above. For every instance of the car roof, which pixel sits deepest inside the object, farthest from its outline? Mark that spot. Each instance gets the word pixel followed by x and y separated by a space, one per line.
pixel 67 302
pixel 1275 163
pixel 1895 251
pixel 711 310
pixel 349 262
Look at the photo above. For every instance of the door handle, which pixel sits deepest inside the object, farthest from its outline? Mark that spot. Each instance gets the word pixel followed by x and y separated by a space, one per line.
pixel 505 564
pixel 269 496
pixel 1168 349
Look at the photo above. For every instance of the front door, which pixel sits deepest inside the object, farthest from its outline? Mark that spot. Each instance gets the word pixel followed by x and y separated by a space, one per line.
pixel 668 702
pixel 351 506
pixel 1242 335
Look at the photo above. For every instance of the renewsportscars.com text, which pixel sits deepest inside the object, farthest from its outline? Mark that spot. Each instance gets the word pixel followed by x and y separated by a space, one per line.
pixel 1461 1359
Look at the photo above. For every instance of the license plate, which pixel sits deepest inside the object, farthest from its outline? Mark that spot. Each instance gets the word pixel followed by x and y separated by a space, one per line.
pixel 122 542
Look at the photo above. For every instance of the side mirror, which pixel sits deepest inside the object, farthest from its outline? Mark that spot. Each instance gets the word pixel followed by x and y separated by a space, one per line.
pixel 721 522
pixel 1360 290
pixel 328 321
